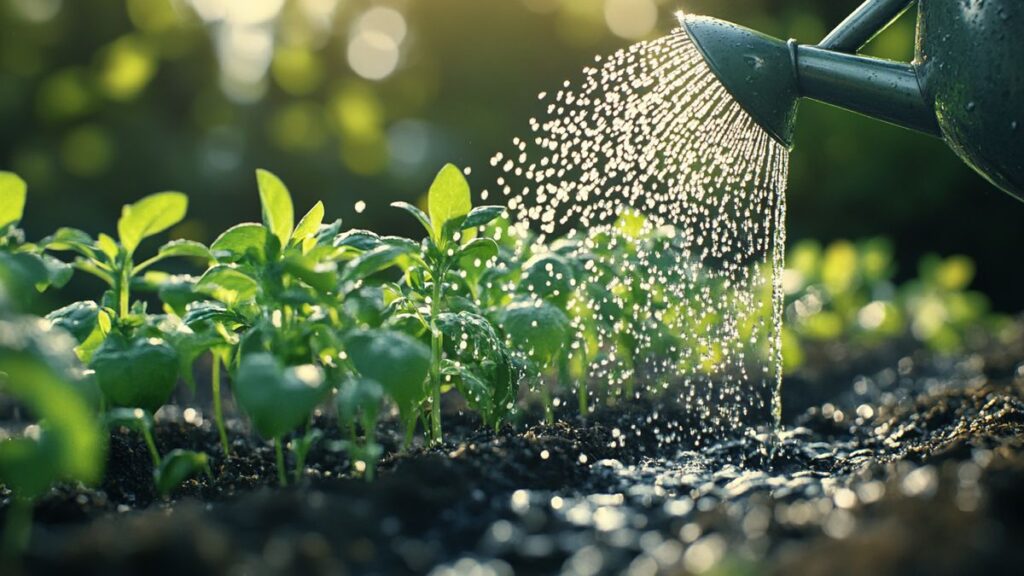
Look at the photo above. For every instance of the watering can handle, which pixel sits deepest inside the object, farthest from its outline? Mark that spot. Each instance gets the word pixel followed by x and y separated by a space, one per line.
pixel 863 24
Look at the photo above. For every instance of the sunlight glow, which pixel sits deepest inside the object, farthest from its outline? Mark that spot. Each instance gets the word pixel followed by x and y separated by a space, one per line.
pixel 374 48
pixel 631 19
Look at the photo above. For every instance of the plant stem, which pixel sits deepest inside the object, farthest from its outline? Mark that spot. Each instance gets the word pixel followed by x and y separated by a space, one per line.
pixel 410 430
pixel 17 528
pixel 300 448
pixel 581 386
pixel 435 362
pixel 565 379
pixel 218 413
pixel 151 445
pixel 370 441
pixel 300 465
pixel 282 479
pixel 124 285
pixel 549 409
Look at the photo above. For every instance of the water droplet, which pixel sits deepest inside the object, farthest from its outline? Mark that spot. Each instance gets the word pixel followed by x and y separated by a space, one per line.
pixel 672 199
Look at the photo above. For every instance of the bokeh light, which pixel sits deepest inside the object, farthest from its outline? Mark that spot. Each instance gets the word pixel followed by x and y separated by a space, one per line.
pixel 374 94
pixel 632 19
pixel 374 49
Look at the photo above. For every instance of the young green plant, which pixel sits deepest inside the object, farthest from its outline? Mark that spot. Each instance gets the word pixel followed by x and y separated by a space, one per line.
pixel 36 367
pixel 448 225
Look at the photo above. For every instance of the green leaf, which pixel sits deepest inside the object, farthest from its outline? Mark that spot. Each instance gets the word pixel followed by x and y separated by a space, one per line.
pixel 537 329
pixel 482 215
pixel 12 199
pixel 135 419
pixel 178 291
pixel 210 312
pixel 372 262
pixel 359 239
pixel 310 223
pixel 484 371
pixel 277 399
pixel 108 247
pixel 185 248
pixel 482 248
pixel 190 346
pixel 448 198
pixel 59 272
pixel 247 241
pixel 321 276
pixel 358 396
pixel 398 362
pixel 278 213
pixel 550 277
pixel 149 216
pixel 78 319
pixel 36 363
pixel 408 246
pixel 327 232
pixel 139 373
pixel 420 216
pixel 228 284
pixel 179 465
pixel 70 239
pixel 176 248
pixel 20 274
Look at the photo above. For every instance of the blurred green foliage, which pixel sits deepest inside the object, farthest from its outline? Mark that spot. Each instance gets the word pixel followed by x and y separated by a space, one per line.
pixel 844 292
pixel 356 100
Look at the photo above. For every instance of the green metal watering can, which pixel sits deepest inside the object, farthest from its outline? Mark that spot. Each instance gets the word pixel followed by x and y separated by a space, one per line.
pixel 965 85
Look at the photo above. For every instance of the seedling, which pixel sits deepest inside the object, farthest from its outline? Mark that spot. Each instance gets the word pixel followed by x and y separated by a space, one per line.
pixel 112 260
pixel 359 402
pixel 263 276
pixel 451 217
pixel 399 364
pixel 135 364
pixel 36 368
pixel 538 330
pixel 278 398
pixel 551 277
pixel 480 364
pixel 168 471
pixel 301 446
pixel 24 263
pixel 179 465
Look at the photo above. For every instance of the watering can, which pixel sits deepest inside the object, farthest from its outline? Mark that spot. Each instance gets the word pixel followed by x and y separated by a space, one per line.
pixel 965 85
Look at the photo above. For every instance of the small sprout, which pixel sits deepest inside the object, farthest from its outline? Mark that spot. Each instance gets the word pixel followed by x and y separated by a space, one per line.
pixel 301 447
pixel 177 466
pixel 35 368
pixel 277 398
pixel 399 363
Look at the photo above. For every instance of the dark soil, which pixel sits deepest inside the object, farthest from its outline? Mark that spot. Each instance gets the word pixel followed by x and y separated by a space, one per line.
pixel 903 465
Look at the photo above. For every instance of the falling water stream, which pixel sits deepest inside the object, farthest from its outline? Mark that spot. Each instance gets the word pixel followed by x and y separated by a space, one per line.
pixel 647 170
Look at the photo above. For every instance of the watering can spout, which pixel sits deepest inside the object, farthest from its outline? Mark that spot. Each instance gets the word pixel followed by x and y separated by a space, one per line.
pixel 768 76
pixel 965 85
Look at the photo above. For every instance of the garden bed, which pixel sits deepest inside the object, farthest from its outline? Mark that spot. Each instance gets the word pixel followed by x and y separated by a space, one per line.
pixel 921 473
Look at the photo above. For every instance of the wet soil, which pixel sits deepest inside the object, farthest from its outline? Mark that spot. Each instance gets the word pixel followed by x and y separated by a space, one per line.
pixel 905 464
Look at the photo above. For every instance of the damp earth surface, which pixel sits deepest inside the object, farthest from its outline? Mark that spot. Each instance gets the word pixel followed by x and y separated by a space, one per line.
pixel 915 465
